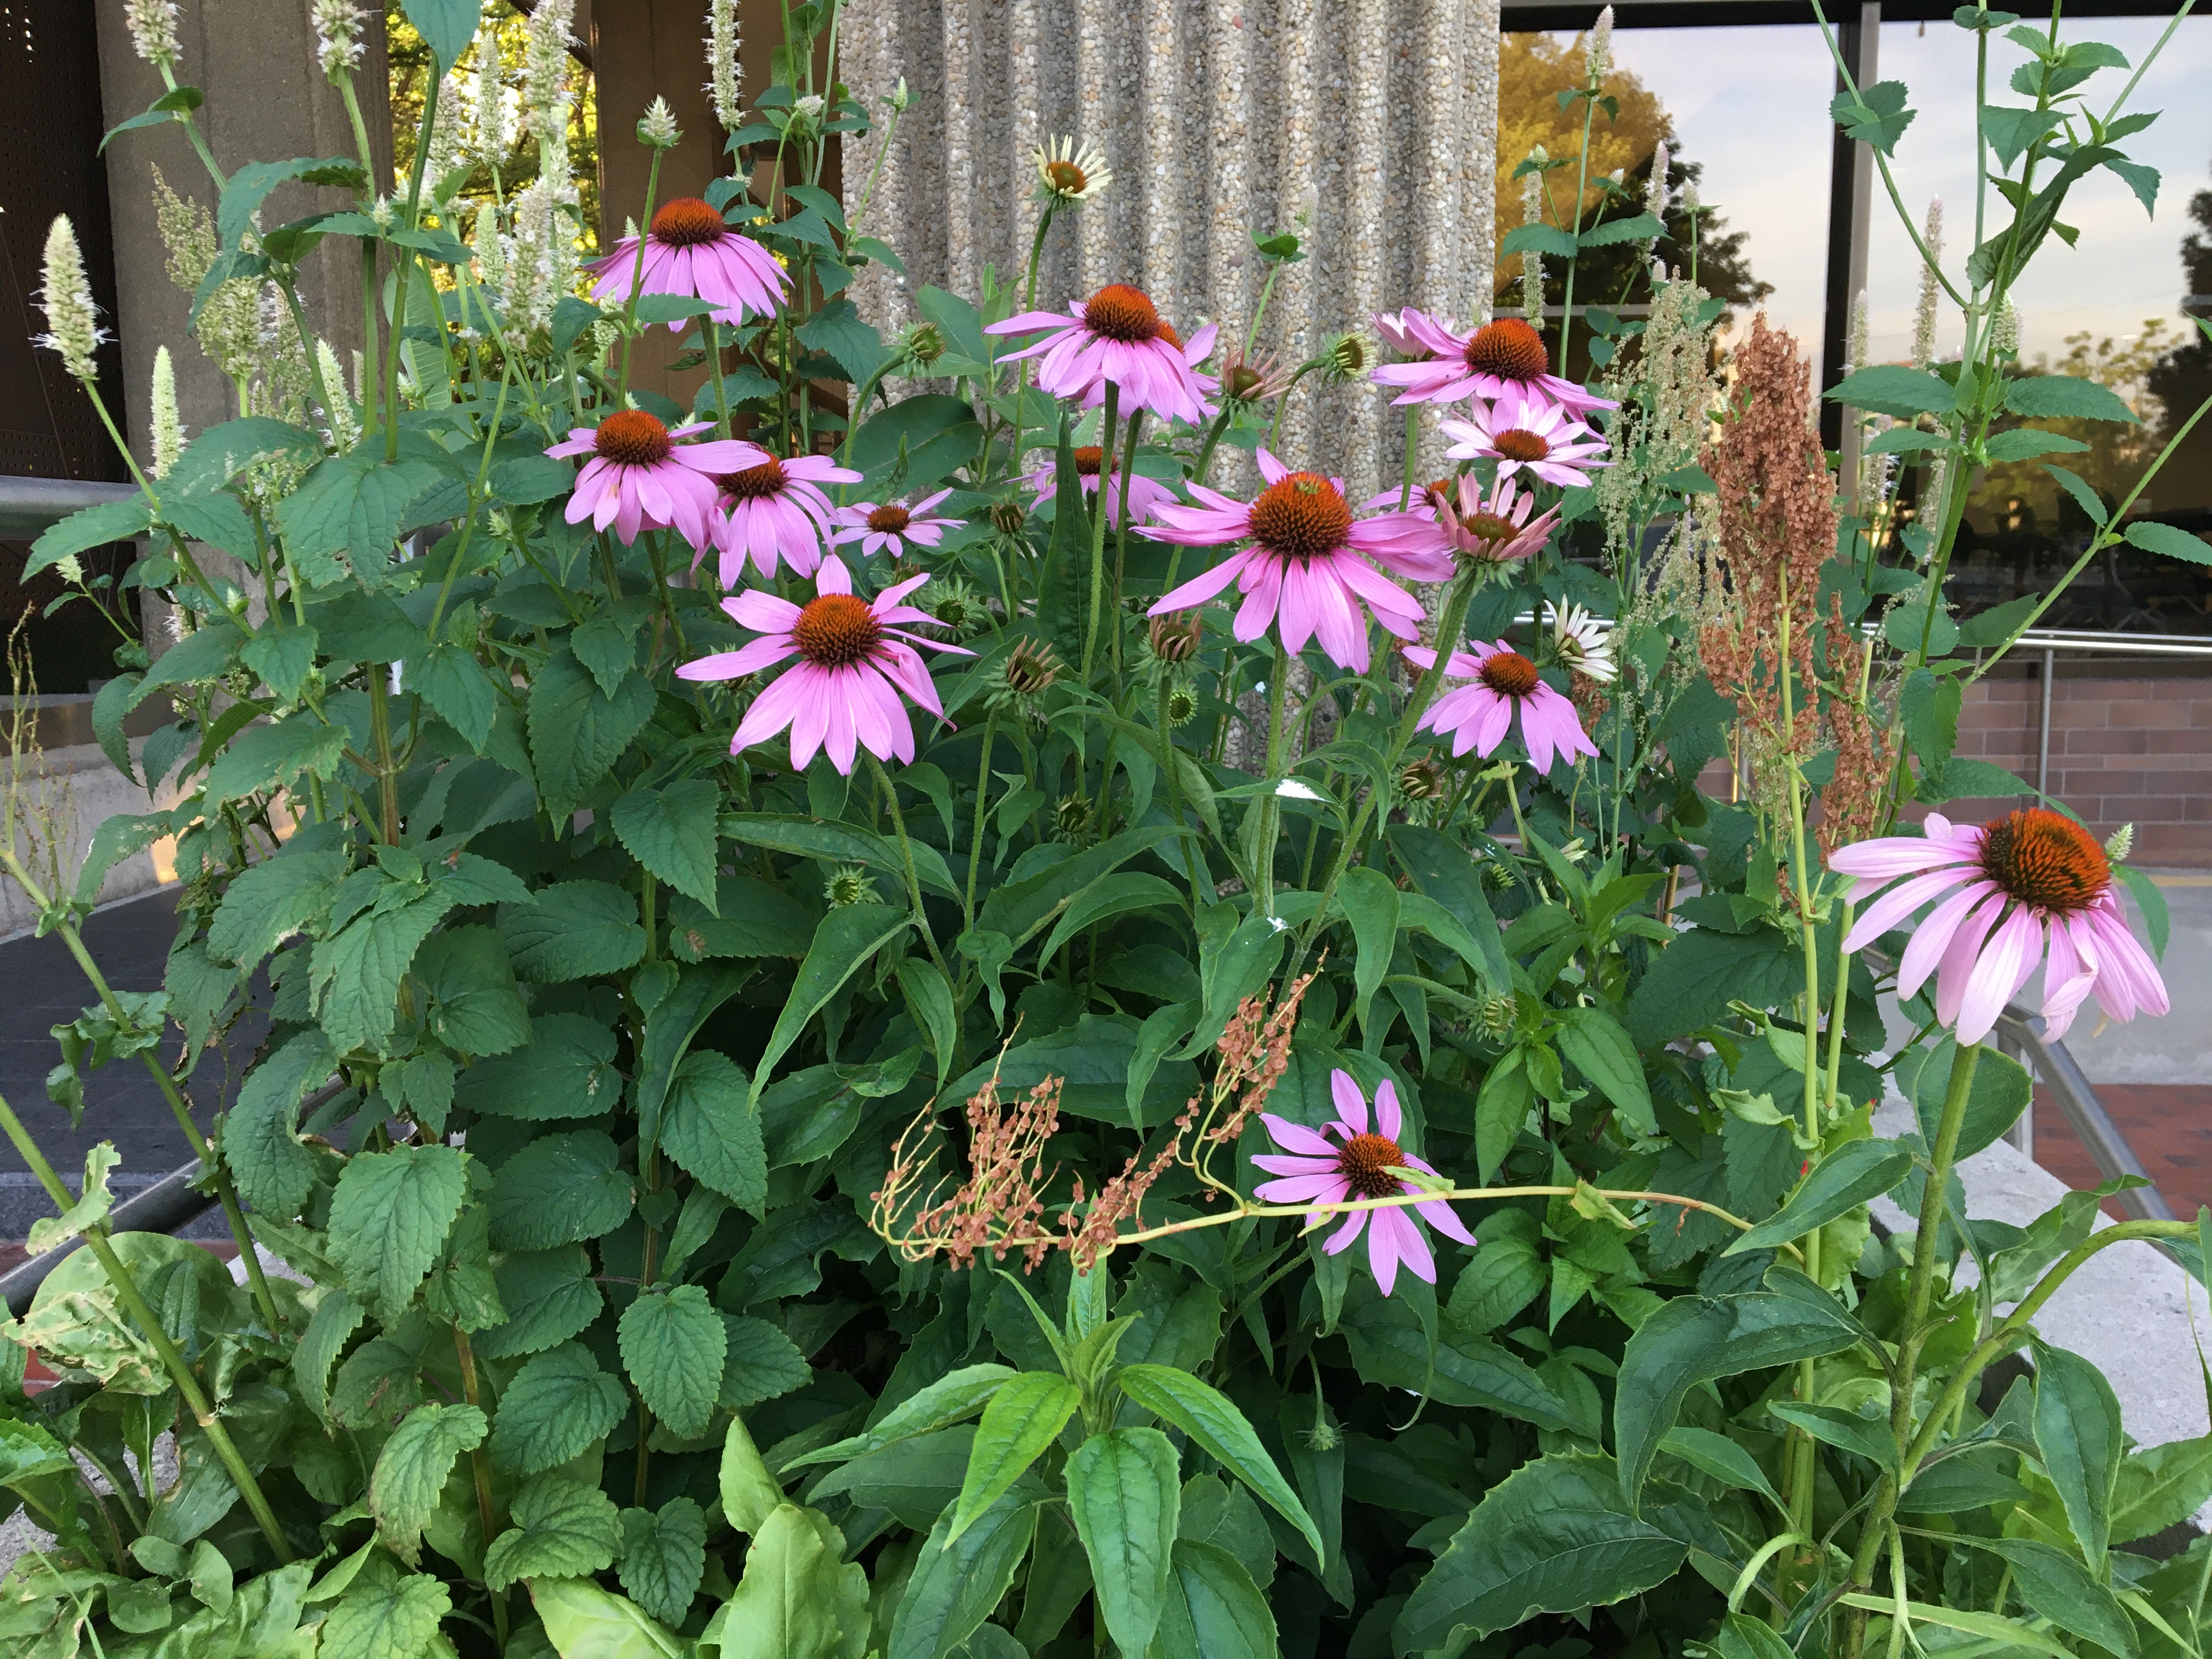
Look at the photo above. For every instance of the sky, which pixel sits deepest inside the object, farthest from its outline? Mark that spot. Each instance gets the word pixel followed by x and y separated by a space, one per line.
pixel 1751 104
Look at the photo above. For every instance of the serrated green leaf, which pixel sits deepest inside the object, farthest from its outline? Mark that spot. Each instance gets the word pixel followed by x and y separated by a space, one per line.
pixel 353 975
pixel 708 1125
pixel 673 1345
pixel 664 1556
pixel 560 1189
pixel 566 1070
pixel 398 1620
pixel 274 1171
pixel 577 731
pixel 761 1362
pixel 411 1469
pixel 388 1216
pixel 2169 540
pixel 559 1403
pixel 338 1316
pixel 561 1528
pixel 575 930
pixel 670 832
pixel 460 689
pixel 549 1296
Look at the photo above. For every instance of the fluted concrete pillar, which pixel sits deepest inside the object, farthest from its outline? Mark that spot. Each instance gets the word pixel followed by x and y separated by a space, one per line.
pixel 1220 118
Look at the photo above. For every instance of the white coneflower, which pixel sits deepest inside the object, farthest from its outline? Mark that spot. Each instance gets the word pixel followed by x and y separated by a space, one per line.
pixel 725 70
pixel 72 320
pixel 1584 642
pixel 168 428
pixel 345 420
pixel 337 34
pixel 1532 263
pixel 495 125
pixel 1931 288
pixel 1855 348
pixel 1597 60
pixel 1069 173
pixel 657 126
pixel 153 26
pixel 1654 187
pixel 2004 330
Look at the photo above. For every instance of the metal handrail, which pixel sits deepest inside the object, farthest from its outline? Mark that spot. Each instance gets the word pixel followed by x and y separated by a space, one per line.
pixel 29 505
pixel 2020 1033
pixel 170 1203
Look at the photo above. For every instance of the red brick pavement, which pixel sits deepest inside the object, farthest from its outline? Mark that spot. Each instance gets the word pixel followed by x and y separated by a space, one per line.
pixel 2168 1124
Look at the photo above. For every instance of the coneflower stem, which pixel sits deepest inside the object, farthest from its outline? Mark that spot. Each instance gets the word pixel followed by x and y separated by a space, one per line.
pixel 1412 455
pixel 1121 522
pixel 983 799
pixel 1271 810
pixel 1098 534
pixel 905 856
pixel 1029 303
pixel 637 278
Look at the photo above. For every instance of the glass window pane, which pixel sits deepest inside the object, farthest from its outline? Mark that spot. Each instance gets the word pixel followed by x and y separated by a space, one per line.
pixel 2115 308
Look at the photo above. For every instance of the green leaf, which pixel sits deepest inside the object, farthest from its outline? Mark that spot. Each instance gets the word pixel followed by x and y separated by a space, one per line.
pixel 664 1556
pixel 1596 1042
pixel 1214 1610
pixel 674 1019
pixel 1875 115
pixel 353 504
pixel 797 1598
pixel 86 528
pixel 1698 1338
pixel 218 521
pixel 751 918
pixel 398 1620
pixel 929 999
pixel 576 731
pixel 2161 1487
pixel 2070 396
pixel 837 330
pixel 2024 443
pixel 567 1069
pixel 559 1190
pixel 673 1344
pixel 1505 1275
pixel 840 843
pixel 670 832
pixel 1025 1415
pixel 761 1363
pixel 1221 1431
pixel 561 1528
pixel 1392 1346
pixel 1445 871
pixel 1118 895
pixel 952 1398
pixel 531 479
pixel 749 1493
pixel 549 1296
pixel 282 652
pixel 109 705
pixel 1846 1430
pixel 222 452
pixel 1021 909
pixel 1542 238
pixel 474 1008
pixel 411 1470
pixel 915 441
pixel 559 1403
pixel 1701 973
pixel 848 937
pixel 2000 1093
pixel 1717 1455
pixel 1554 1536
pixel 260 1135
pixel 956 1583
pixel 2078 1430
pixel 607 649
pixel 1995 1634
pixel 583 1621
pixel 353 975
pixel 1636 228
pixel 460 689
pixel 2058 1588
pixel 338 1316
pixel 250 185
pixel 1895 391
pixel 708 1126
pixel 2169 540
pixel 204 655
pixel 91 1207
pixel 1124 1493
pixel 1370 899
pixel 1855 1173
pixel 576 930
pixel 388 1216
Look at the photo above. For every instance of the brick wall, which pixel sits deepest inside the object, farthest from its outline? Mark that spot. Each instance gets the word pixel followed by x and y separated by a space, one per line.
pixel 2124 749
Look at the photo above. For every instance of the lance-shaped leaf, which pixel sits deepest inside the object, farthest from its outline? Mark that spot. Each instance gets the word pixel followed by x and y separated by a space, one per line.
pixel 1025 1415
pixel 1124 1494
pixel 848 936
pixel 1211 1420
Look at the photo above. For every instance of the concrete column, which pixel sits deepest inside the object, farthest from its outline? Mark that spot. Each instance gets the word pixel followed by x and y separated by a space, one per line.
pixel 267 100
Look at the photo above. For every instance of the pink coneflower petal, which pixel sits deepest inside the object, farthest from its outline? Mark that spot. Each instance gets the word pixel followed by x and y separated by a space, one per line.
pixel 1924 950
pixel 1301 1189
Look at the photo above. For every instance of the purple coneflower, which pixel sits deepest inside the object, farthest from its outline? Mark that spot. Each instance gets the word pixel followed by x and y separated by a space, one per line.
pixel 1117 335
pixel 2031 889
pixel 1308 561
pixel 1144 494
pixel 1495 529
pixel 1315 1170
pixel 852 663
pixel 1479 713
pixel 1417 336
pixel 1526 432
pixel 775 509
pixel 641 478
pixel 1506 355
pixel 892 527
pixel 690 251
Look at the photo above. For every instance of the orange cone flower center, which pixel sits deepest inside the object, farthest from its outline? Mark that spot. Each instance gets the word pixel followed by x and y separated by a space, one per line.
pixel 1365 1162
pixel 1067 178
pixel 1508 349
pixel 755 482
pixel 687 222
pixel 630 437
pixel 836 630
pixel 1519 444
pixel 1088 458
pixel 1122 313
pixel 1241 382
pixel 1490 527
pixel 1509 673
pixel 889 520
pixel 2045 860
pixel 1302 516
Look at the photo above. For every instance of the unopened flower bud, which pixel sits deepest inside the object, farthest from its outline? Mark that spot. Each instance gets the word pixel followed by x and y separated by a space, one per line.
pixel 1008 518
pixel 1342 357
pixel 656 128
pixel 922 343
pixel 1183 707
pixel 2121 842
pixel 1175 639
pixel 898 98
pixel 1497 1017
pixel 848 884
pixel 1424 779
pixel 1029 669
pixel 1072 816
